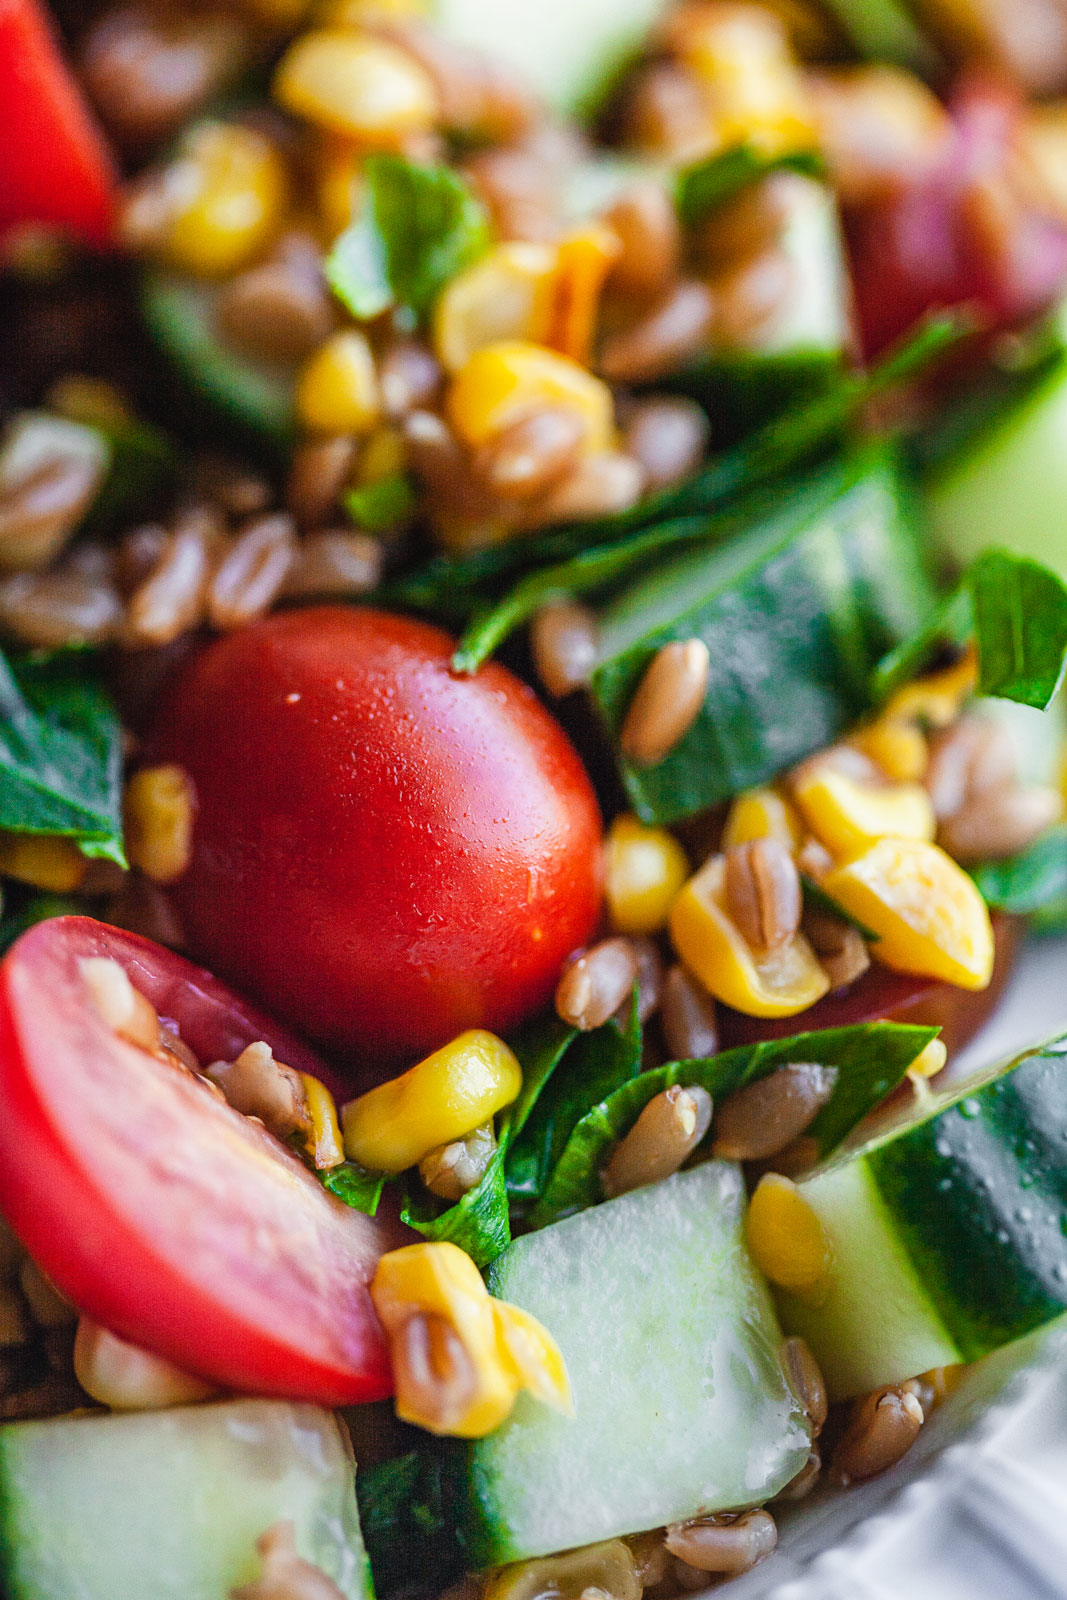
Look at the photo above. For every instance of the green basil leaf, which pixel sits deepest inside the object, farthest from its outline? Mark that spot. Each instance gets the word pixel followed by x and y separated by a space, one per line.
pixel 871 1060
pixel 407 1528
pixel 60 753
pixel 591 1066
pixel 420 225
pixel 382 505
pixel 709 184
pixel 1020 625
pixel 478 1224
pixel 357 1188
pixel 1032 881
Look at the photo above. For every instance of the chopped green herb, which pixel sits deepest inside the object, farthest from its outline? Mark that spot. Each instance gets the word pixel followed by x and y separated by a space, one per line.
pixel 1030 882
pixel 420 225
pixel 708 184
pixel 357 1188
pixel 382 505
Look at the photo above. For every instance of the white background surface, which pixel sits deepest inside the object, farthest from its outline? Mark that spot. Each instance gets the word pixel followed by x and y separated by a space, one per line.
pixel 978 1510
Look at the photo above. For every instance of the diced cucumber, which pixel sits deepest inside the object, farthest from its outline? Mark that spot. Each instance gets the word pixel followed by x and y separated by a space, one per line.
pixel 168 1505
pixel 570 53
pixel 1008 486
pixel 672 1346
pixel 252 397
pixel 947 1231
pixel 819 579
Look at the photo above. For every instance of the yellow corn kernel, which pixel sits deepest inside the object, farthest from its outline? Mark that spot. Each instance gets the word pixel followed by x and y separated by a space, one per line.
pixel 337 175
pixel 45 861
pixel 644 869
pixel 442 1098
pixel 786 1238
pixel 356 85
pixel 324 1144
pixel 507 1348
pixel 383 456
pixel 772 983
pixel 508 294
pixel 929 916
pixel 899 748
pixel 756 94
pixel 534 1356
pixel 929 1063
pixel 352 13
pixel 337 390
pixel 936 699
pixel 159 809
pixel 847 815
pixel 585 259
pixel 762 814
pixel 225 198
pixel 438 1279
pixel 507 381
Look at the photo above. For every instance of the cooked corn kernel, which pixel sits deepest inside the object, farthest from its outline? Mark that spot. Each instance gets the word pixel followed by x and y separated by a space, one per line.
pixel 223 199
pixel 508 294
pixel 42 860
pixel 357 85
pixel 159 809
pixel 506 381
pixel 929 916
pixel 931 1061
pixel 337 391
pixel 444 1097
pixel 351 13
pixel 786 1237
pixel 585 259
pixel 847 815
pixel 504 1348
pixel 766 983
pixel 899 748
pixel 741 54
pixel 936 699
pixel 644 870
pixel 324 1144
pixel 762 814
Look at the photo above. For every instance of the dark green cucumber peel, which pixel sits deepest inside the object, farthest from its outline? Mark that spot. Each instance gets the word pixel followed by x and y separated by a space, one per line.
pixel 255 399
pixel 795 611
pixel 672 1347
pixel 947 1228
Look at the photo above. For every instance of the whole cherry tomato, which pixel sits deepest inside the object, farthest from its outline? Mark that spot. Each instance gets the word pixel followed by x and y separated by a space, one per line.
pixel 160 1211
pixel 384 852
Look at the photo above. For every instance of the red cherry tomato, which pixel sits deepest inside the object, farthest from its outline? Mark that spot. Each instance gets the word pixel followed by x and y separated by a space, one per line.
pixel 55 167
pixel 384 852
pixel 965 234
pixel 171 1219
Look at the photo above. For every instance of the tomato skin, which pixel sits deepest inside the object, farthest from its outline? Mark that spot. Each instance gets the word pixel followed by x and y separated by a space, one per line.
pixel 384 852
pixel 158 1210
pixel 55 167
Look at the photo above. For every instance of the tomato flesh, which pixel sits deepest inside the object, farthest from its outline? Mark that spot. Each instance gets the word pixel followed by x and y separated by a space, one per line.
pixel 384 853
pixel 159 1211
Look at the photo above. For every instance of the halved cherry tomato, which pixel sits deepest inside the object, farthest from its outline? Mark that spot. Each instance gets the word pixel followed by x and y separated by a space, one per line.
pixel 55 167
pixel 895 997
pixel 965 234
pixel 165 1215
pixel 383 852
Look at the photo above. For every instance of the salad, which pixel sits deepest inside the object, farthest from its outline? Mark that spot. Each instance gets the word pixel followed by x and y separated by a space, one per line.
pixel 533 591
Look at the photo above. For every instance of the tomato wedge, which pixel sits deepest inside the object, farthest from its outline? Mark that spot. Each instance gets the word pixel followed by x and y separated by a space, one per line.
pixel 55 167
pixel 162 1213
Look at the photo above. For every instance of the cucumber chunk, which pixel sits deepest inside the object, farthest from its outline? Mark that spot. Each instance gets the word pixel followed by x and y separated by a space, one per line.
pixel 251 396
pixel 672 1346
pixel 1008 486
pixel 168 1505
pixel 571 54
pixel 947 1233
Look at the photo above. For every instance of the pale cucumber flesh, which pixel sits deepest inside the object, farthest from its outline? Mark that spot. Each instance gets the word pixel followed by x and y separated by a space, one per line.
pixel 875 1324
pixel 168 1505
pixel 673 1350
